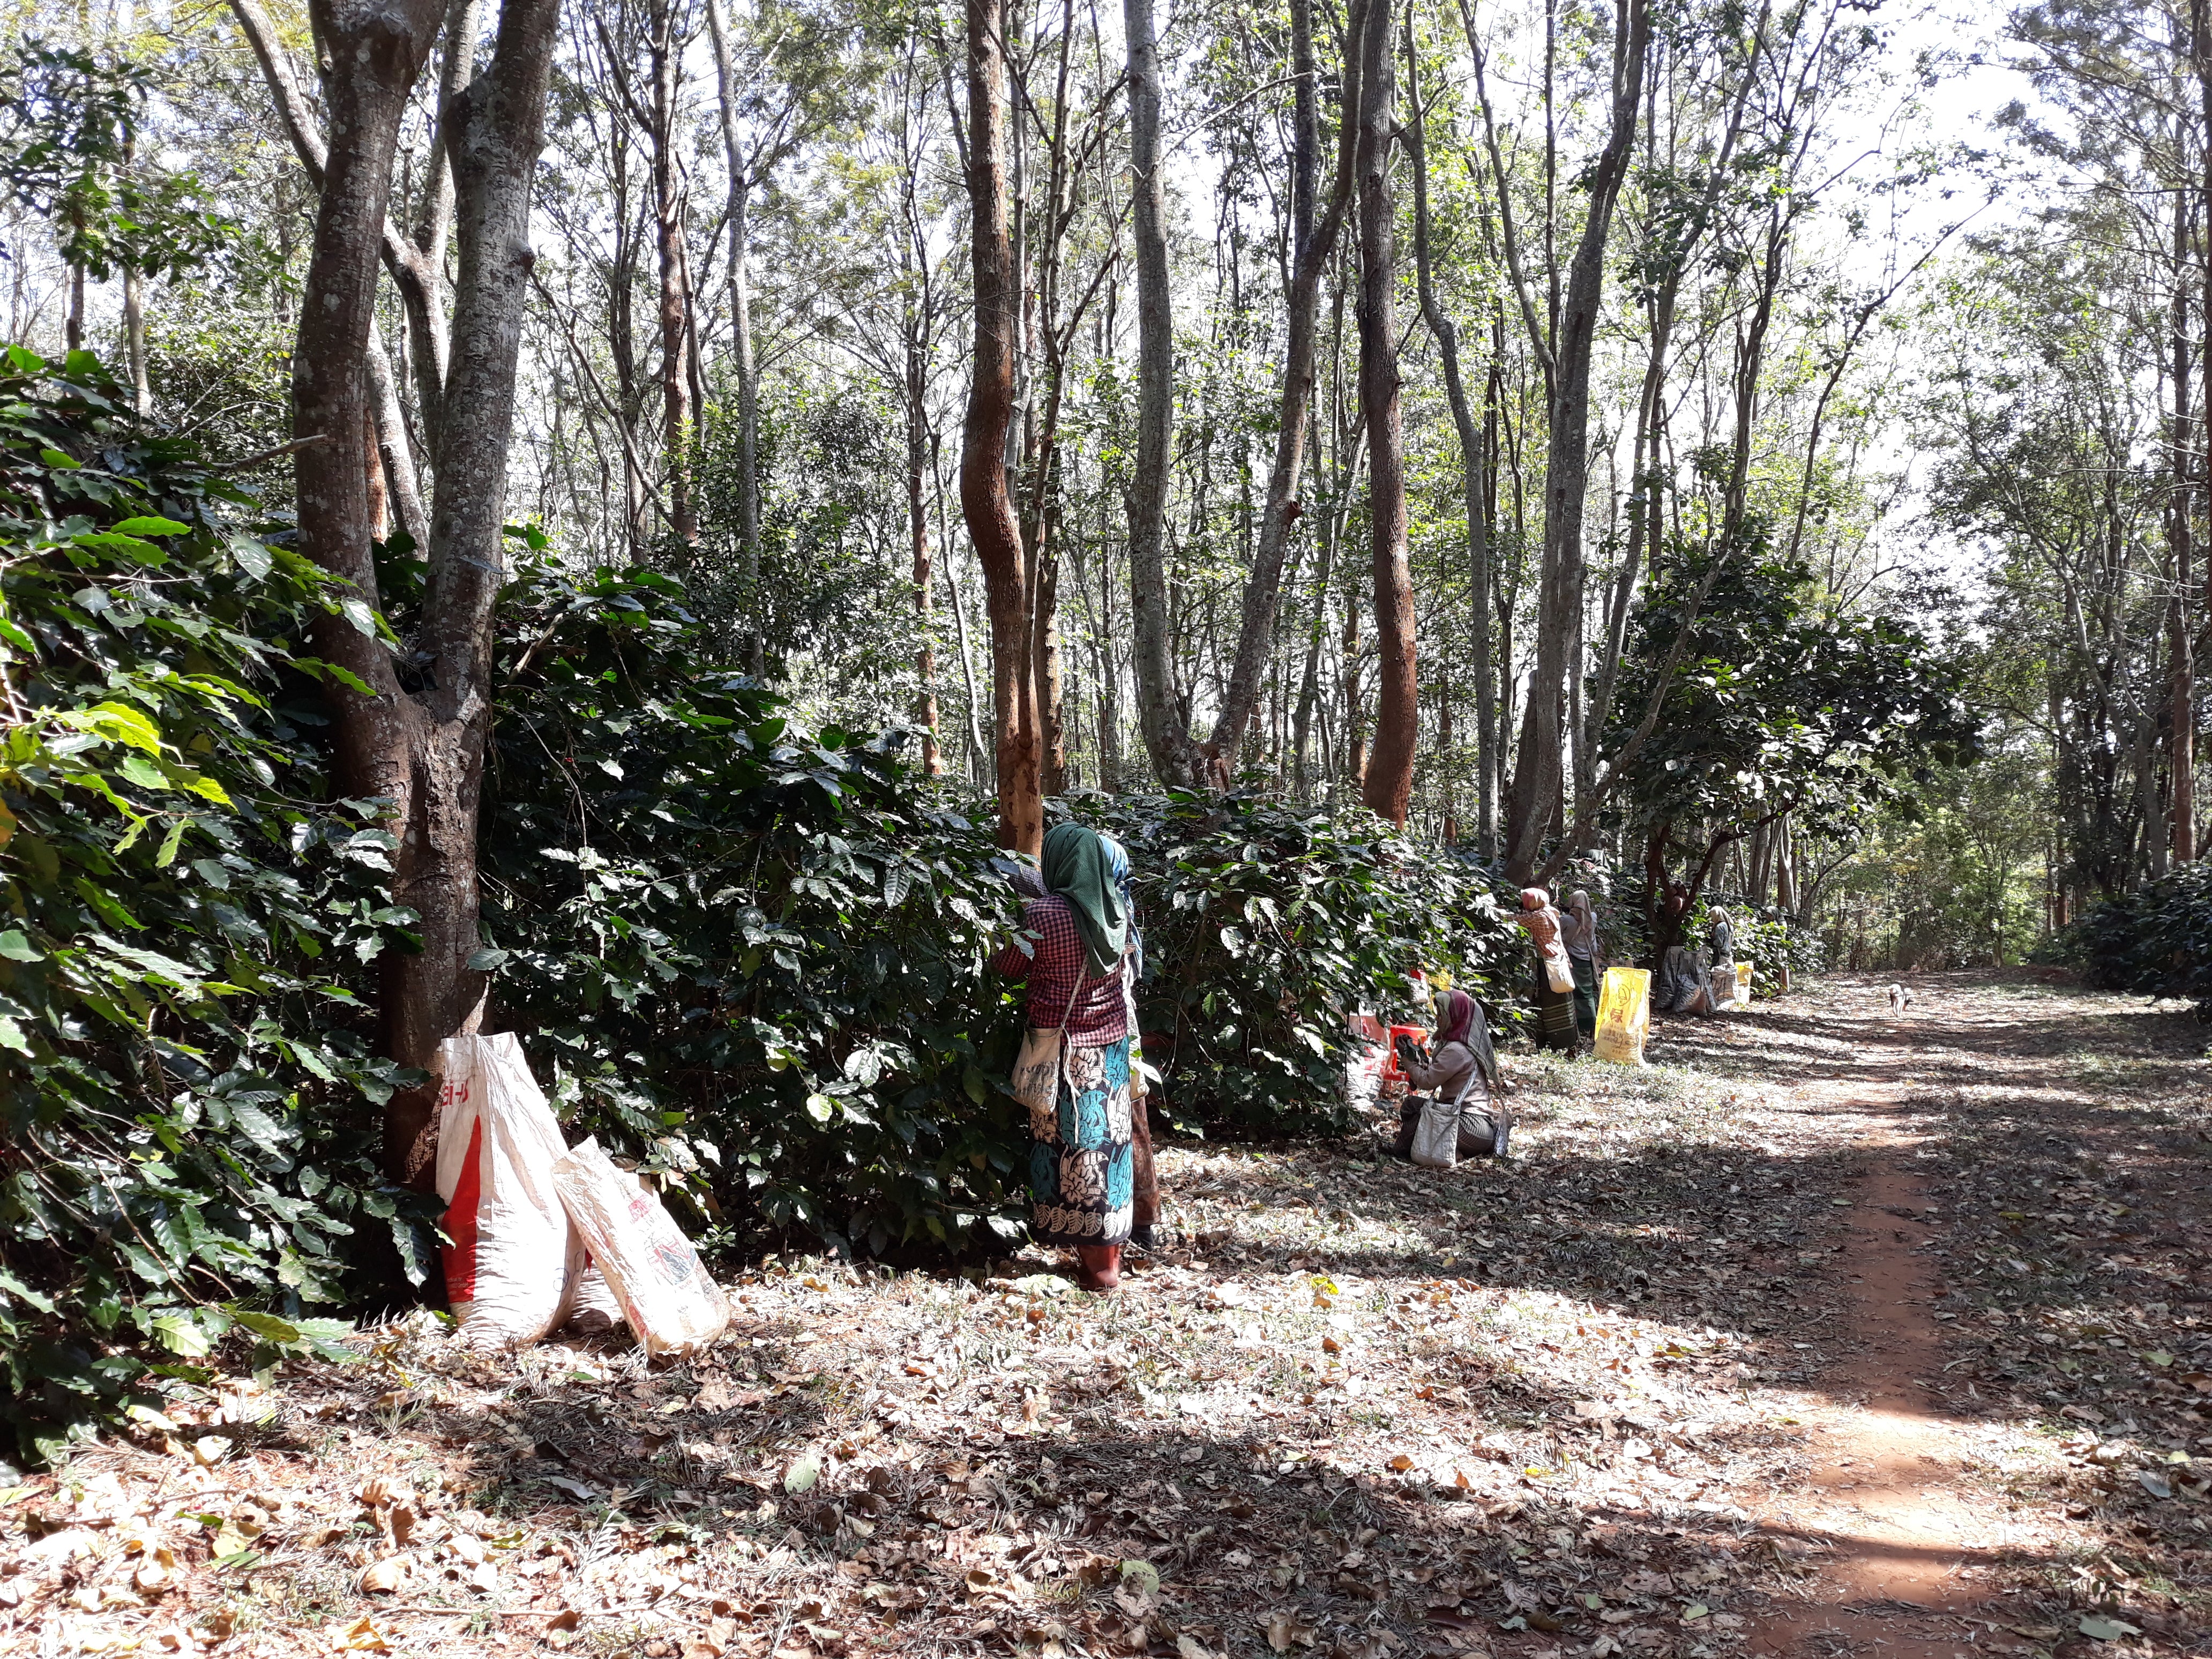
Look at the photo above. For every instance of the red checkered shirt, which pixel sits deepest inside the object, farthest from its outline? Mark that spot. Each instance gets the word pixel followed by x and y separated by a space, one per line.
pixel 1101 1015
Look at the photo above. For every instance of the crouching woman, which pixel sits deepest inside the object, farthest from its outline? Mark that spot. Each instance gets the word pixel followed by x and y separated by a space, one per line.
pixel 1081 1161
pixel 1461 1055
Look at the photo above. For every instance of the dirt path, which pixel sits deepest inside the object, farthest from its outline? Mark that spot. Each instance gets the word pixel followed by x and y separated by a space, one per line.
pixel 1913 1552
pixel 1885 1495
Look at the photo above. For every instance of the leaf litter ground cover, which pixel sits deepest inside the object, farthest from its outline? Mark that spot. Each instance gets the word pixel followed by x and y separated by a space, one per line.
pixel 1621 1396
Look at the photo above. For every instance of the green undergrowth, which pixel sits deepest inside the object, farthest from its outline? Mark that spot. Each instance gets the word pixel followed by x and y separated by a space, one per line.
pixel 190 1105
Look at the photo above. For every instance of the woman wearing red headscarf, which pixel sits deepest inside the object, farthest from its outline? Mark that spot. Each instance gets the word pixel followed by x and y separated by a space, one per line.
pixel 1461 1053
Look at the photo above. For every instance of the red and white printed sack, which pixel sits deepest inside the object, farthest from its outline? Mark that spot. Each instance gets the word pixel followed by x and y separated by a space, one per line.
pixel 515 1261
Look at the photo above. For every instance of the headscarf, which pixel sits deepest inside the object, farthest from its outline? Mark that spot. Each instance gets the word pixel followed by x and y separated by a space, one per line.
pixel 1581 929
pixel 1117 860
pixel 1538 916
pixel 1462 1022
pixel 1077 869
pixel 1457 1012
pixel 1027 880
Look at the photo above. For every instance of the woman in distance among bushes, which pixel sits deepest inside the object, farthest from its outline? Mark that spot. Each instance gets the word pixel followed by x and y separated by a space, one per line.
pixel 1585 957
pixel 1555 976
pixel 1081 1161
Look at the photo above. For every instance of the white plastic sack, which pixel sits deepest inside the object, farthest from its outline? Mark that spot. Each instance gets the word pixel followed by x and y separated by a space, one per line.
pixel 650 1266
pixel 513 1262
pixel 1363 1073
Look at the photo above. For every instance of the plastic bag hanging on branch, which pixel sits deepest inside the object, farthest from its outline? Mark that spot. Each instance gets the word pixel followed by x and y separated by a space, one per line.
pixel 657 1277
pixel 513 1262
pixel 1624 1015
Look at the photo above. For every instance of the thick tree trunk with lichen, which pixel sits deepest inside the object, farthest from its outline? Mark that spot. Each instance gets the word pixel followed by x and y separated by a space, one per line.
pixel 417 742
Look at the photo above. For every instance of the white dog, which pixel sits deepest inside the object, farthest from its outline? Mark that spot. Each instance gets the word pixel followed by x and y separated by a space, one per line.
pixel 1900 999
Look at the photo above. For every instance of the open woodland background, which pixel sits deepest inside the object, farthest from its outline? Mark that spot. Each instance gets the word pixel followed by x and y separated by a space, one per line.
pixel 618 513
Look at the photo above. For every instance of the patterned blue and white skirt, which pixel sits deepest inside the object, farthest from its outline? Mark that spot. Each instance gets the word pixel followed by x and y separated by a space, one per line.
pixel 1082 1170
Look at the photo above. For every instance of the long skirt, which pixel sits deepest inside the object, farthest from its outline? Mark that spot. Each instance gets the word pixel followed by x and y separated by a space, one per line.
pixel 1585 993
pixel 1555 1015
pixel 1082 1173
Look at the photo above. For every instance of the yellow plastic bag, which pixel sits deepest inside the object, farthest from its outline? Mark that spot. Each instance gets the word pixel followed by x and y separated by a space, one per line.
pixel 1743 984
pixel 1624 1015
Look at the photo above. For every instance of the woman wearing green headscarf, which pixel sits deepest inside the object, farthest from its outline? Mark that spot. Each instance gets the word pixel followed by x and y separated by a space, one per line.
pixel 1081 1161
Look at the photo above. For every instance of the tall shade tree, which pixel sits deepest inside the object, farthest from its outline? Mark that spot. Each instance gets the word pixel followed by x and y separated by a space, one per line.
pixel 1565 351
pixel 1313 246
pixel 415 715
pixel 1174 758
pixel 1388 787
pixel 994 528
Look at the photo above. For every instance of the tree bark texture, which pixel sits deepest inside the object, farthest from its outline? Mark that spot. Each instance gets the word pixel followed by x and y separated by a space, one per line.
pixel 674 311
pixel 413 268
pixel 418 743
pixel 383 48
pixel 1175 760
pixel 1537 776
pixel 992 527
pixel 1388 786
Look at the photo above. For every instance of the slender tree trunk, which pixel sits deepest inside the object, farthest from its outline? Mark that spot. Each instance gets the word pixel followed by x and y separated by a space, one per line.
pixel 1309 678
pixel 2200 52
pixel 1470 448
pixel 917 515
pixel 1175 760
pixel 1537 776
pixel 992 527
pixel 419 270
pixel 1643 514
pixel 1050 670
pixel 133 315
pixel 741 314
pixel 1388 787
pixel 1312 247
pixel 384 50
pixel 678 420
pixel 134 340
pixel 409 264
pixel 2181 753
pixel 392 449
pixel 1355 701
pixel 971 728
